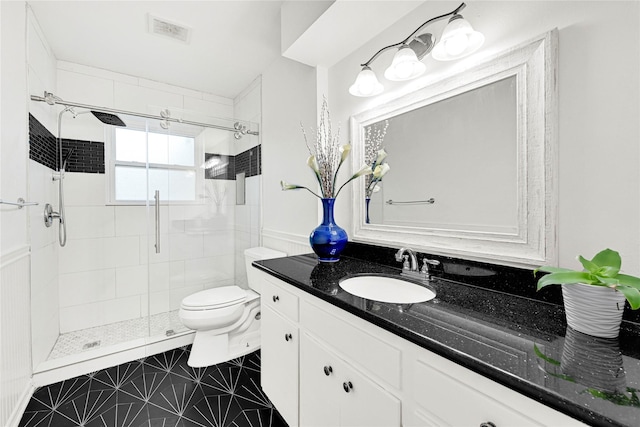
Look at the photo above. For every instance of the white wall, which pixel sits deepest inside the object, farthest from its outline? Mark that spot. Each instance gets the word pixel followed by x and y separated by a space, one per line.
pixel 288 98
pixel 15 357
pixel 599 106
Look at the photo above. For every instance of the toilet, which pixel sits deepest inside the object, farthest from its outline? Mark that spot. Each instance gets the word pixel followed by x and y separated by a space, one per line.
pixel 226 319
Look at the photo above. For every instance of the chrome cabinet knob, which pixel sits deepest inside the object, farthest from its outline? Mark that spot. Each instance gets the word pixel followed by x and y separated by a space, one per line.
pixel 288 337
pixel 276 298
pixel 347 386
pixel 328 370
pixel 487 424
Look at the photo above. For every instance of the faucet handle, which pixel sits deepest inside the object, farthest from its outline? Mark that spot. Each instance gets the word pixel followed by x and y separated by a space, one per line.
pixel 405 263
pixel 425 265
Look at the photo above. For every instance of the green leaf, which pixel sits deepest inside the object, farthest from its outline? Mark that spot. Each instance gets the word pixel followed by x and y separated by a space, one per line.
pixel 549 269
pixel 632 281
pixel 608 271
pixel 588 265
pixel 631 294
pixel 564 277
pixel 544 357
pixel 607 258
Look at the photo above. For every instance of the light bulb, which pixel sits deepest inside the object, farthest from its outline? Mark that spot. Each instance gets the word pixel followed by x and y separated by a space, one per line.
pixel 366 84
pixel 405 65
pixel 458 40
pixel 457 44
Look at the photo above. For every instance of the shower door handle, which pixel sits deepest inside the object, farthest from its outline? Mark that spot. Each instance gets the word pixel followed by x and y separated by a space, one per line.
pixel 157 197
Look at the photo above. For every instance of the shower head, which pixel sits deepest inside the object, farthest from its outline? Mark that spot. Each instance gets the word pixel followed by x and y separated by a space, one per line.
pixel 108 119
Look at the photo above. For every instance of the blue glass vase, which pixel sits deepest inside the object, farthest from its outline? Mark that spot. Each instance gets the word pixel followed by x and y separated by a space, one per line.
pixel 328 240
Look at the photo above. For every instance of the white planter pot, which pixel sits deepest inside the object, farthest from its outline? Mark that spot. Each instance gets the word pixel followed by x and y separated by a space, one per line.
pixel 593 310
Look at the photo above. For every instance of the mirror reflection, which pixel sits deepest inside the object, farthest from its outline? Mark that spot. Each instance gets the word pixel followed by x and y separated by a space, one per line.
pixel 453 163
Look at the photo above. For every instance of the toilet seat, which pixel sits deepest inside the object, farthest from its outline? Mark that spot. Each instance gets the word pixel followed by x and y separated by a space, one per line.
pixel 211 299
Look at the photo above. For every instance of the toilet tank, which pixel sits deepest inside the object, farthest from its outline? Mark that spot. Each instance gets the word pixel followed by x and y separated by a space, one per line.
pixel 256 254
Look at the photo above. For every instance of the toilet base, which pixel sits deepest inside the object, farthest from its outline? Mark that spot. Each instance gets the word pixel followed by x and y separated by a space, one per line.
pixel 209 349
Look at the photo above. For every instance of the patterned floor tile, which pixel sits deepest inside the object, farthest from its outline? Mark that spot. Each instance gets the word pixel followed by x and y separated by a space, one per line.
pixel 160 390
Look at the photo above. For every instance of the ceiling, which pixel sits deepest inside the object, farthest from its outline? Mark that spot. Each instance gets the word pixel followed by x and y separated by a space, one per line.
pixel 231 42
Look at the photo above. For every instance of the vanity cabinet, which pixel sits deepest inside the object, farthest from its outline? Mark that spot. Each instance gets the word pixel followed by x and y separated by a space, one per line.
pixel 338 369
pixel 334 393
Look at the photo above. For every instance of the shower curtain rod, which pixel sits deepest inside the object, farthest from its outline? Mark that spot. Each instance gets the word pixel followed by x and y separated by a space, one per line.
pixel 239 130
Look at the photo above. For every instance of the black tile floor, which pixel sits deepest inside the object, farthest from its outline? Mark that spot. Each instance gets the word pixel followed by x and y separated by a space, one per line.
pixel 159 390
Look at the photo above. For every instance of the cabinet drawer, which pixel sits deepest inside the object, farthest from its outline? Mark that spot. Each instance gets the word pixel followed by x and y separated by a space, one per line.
pixel 371 353
pixel 438 396
pixel 280 300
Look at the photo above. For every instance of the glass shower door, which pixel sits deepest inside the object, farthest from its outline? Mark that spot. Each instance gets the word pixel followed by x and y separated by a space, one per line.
pixel 191 234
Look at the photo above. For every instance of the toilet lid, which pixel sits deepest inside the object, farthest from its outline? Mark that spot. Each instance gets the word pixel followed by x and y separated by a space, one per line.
pixel 214 298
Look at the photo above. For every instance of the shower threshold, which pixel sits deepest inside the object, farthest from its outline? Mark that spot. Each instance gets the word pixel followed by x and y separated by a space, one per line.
pixel 73 343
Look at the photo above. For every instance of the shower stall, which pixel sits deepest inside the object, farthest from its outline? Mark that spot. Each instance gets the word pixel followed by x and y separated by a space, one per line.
pixel 141 211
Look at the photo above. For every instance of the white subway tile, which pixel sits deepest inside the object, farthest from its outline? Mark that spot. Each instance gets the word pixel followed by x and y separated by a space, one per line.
pixel 131 281
pixel 84 189
pixel 185 246
pixel 90 221
pixel 87 287
pixel 99 313
pixel 132 220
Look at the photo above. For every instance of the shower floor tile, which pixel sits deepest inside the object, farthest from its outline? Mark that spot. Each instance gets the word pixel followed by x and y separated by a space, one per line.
pixel 76 342
pixel 160 390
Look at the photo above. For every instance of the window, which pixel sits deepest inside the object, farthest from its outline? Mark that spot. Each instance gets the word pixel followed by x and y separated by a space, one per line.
pixel 169 161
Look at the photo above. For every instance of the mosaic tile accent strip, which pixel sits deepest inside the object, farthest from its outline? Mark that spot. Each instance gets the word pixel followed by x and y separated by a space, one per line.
pixel 219 166
pixel 249 162
pixel 87 156
pixel 160 390
pixel 42 144
pixel 75 342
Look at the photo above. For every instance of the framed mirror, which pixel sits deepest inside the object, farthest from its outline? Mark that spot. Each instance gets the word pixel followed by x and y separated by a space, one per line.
pixel 472 162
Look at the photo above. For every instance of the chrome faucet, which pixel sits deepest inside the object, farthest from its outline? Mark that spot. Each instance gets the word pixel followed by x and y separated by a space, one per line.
pixel 412 256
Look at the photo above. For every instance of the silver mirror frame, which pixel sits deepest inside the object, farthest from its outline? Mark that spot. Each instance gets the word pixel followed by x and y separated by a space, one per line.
pixel 534 65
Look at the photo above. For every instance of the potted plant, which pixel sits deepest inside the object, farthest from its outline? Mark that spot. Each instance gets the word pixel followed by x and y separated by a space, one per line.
pixel 594 297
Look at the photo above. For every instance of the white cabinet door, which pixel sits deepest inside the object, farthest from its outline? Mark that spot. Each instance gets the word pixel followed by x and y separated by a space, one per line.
pixel 279 373
pixel 319 385
pixel 334 393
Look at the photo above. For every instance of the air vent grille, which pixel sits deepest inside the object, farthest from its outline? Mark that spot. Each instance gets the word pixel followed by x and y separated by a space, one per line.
pixel 165 28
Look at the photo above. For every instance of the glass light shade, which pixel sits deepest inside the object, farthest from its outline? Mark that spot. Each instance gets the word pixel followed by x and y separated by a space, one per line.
pixel 458 40
pixel 405 65
pixel 366 84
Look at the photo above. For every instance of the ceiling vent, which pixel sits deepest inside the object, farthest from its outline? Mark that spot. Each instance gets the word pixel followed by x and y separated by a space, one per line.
pixel 165 28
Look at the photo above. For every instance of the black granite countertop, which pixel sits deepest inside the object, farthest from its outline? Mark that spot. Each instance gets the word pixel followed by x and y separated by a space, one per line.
pixel 491 320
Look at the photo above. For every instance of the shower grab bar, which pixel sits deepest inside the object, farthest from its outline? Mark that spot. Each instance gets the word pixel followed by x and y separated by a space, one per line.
pixel 157 197
pixel 20 203
pixel 412 202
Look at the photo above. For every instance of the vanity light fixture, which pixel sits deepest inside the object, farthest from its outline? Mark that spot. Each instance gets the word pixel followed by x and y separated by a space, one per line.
pixel 458 40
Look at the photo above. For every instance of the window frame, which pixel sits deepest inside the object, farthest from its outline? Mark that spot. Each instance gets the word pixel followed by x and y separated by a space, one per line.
pixel 112 163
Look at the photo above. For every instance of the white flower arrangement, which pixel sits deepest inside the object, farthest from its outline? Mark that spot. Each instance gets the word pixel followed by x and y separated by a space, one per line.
pixel 375 156
pixel 326 158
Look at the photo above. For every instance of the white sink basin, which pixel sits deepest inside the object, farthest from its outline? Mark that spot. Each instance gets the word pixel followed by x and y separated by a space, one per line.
pixel 387 289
